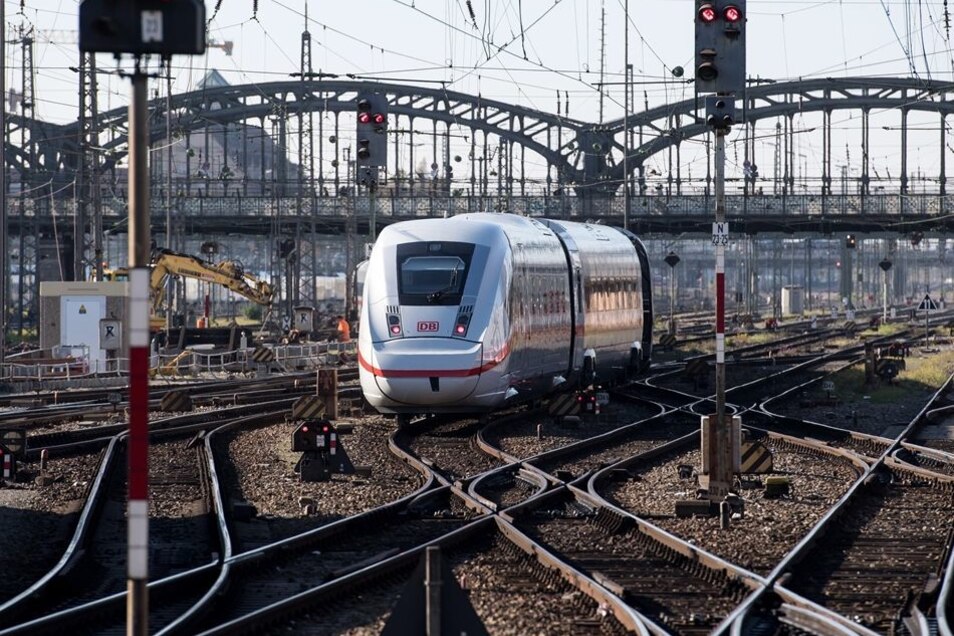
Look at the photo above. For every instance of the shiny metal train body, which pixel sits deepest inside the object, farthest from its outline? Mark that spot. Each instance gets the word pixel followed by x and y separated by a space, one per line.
pixel 474 312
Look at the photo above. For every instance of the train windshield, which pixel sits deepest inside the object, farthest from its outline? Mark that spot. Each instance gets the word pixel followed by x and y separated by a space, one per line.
pixel 433 273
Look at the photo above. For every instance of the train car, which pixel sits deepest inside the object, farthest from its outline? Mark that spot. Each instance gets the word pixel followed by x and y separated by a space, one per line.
pixel 474 312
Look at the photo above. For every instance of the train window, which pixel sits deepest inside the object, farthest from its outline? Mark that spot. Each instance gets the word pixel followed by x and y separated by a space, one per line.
pixel 433 273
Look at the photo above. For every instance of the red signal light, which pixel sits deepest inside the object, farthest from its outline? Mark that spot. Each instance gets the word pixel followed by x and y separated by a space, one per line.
pixel 364 118
pixel 707 13
pixel 379 118
pixel 324 429
pixel 731 14
pixel 304 429
pixel 395 329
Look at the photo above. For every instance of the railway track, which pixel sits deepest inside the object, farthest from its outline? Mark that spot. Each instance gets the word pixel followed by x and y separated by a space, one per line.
pixel 880 562
pixel 530 508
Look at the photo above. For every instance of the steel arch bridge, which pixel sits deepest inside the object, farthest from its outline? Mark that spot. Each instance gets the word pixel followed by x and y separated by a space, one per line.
pixel 584 156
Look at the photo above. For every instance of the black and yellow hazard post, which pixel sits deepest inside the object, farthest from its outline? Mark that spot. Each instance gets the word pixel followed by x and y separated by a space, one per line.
pixel 308 407
pixel 755 458
pixel 175 402
pixel 563 405
pixel 328 391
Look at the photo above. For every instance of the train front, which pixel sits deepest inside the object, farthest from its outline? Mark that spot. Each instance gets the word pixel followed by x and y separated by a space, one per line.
pixel 432 333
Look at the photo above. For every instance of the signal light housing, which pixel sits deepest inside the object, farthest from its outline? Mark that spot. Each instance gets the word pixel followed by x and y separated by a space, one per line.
pixel 720 46
pixel 394 325
pixel 720 111
pixel 462 324
pixel 707 13
pixel 372 123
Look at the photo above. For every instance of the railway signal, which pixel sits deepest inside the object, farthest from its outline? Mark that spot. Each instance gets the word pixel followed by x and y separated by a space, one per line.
pixel 142 27
pixel 720 111
pixel 371 136
pixel 720 46
pixel 319 443
pixel 720 69
pixel 885 265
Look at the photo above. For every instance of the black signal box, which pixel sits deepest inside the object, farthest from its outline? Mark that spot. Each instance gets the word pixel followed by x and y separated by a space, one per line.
pixel 141 27
pixel 312 435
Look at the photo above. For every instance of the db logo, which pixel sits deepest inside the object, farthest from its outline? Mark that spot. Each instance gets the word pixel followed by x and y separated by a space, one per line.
pixel 428 326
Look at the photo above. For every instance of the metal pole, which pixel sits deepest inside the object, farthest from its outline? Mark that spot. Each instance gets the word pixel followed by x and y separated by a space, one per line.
pixel 626 116
pixel 167 200
pixel 372 221
pixel 719 451
pixel 672 304
pixel 884 299
pixel 3 183
pixel 432 583
pixel 137 614
pixel 720 276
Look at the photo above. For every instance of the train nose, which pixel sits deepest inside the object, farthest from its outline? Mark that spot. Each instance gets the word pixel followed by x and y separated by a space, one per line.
pixel 425 371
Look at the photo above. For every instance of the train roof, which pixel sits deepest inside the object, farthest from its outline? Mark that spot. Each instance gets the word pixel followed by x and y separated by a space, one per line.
pixel 475 228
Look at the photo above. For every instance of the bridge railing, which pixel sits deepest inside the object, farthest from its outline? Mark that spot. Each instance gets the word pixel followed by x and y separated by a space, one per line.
pixel 570 207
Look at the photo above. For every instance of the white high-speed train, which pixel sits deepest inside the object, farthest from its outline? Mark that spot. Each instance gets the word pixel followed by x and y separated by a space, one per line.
pixel 477 311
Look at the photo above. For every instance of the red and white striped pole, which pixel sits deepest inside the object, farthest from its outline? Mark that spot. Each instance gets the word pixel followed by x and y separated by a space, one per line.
pixel 718 451
pixel 137 609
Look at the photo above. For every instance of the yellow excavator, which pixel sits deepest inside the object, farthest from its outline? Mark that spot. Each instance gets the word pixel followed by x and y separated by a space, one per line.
pixel 166 263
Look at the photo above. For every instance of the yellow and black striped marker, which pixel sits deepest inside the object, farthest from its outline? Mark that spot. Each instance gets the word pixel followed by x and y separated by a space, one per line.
pixel 667 340
pixel 564 404
pixel 175 401
pixel 263 355
pixel 756 458
pixel 696 367
pixel 309 407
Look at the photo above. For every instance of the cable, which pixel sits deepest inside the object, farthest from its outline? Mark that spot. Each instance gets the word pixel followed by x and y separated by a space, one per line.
pixel 500 49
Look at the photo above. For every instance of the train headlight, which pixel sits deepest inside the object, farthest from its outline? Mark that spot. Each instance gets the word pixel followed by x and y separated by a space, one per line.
pixel 463 321
pixel 394 325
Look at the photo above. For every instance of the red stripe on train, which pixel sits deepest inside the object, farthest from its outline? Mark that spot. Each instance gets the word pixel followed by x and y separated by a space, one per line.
pixel 432 373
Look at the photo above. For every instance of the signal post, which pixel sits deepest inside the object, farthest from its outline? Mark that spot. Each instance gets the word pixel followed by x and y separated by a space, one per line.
pixel 720 69
pixel 140 28
pixel 372 151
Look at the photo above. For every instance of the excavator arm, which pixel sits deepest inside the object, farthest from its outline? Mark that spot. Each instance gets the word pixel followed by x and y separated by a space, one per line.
pixel 229 274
